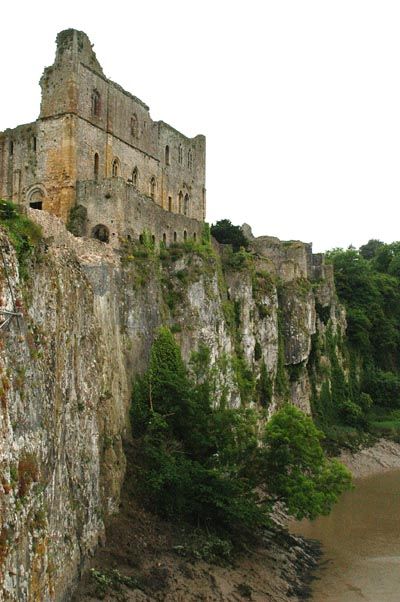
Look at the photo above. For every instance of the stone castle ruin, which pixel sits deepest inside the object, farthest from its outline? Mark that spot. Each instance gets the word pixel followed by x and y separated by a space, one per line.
pixel 95 150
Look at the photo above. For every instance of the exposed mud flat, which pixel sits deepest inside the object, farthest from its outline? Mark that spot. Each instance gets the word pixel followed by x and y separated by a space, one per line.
pixel 382 457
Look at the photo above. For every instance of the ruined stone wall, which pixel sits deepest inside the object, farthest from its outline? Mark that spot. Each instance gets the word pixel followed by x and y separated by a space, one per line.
pixel 125 212
pixel 18 161
pixel 119 131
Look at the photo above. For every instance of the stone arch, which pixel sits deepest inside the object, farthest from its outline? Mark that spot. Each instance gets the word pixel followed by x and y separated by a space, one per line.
pixel 115 168
pixel 101 233
pixel 36 196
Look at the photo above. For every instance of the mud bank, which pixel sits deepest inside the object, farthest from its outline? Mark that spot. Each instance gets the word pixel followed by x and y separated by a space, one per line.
pixel 163 560
pixel 383 456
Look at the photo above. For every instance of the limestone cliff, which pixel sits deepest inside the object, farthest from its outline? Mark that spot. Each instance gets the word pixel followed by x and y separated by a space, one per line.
pixel 89 315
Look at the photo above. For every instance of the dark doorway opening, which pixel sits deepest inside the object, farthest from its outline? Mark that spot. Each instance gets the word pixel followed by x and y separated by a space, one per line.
pixel 101 232
pixel 36 205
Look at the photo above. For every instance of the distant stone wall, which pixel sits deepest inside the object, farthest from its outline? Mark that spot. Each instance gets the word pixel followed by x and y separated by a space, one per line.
pixel 126 213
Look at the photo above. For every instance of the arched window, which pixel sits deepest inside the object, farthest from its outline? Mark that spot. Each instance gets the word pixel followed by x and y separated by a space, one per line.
pixel 135 177
pixel 180 154
pixel 167 155
pixel 180 201
pixel 96 103
pixel 115 168
pixel 194 236
pixel 184 235
pixel 175 237
pixel 34 144
pixel 153 188
pixel 96 166
pixel 134 126
pixel 11 148
pixel 190 159
pixel 153 239
pixel 170 203
pixel 164 238
pixel 186 205
pixel 141 239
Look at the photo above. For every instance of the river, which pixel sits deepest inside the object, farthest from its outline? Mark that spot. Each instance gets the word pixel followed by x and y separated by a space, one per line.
pixel 361 543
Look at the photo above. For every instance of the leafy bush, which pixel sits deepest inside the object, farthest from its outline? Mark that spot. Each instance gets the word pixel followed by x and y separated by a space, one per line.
pixel 23 233
pixel 228 234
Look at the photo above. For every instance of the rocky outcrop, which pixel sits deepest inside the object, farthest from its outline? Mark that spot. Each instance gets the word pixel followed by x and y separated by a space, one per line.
pixel 89 315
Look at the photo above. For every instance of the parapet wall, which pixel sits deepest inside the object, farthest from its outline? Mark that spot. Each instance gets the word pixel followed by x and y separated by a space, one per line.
pixel 128 214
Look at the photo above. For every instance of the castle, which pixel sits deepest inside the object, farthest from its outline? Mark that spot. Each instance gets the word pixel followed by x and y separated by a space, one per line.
pixel 96 148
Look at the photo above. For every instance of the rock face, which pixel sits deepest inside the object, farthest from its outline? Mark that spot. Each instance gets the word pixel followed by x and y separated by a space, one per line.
pixel 89 315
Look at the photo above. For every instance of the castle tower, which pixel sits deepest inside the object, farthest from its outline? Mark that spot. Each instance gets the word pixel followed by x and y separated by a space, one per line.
pixel 90 129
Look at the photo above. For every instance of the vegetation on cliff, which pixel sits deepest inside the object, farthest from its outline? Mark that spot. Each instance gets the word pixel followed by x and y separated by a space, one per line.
pixel 23 233
pixel 368 284
pixel 205 465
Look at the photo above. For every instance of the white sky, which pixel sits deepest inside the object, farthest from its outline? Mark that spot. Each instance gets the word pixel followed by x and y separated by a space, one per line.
pixel 299 99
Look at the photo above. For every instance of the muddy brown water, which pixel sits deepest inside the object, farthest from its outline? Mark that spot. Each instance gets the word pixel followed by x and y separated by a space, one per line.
pixel 361 543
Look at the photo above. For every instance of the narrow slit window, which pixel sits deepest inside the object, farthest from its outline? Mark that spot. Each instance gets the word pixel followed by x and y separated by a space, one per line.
pixel 96 166
pixel 95 103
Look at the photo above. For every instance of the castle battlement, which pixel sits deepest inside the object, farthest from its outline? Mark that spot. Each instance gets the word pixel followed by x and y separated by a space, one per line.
pixel 91 130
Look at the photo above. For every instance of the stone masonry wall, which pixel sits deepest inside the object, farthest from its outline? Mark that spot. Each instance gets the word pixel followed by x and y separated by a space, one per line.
pixel 70 133
pixel 125 212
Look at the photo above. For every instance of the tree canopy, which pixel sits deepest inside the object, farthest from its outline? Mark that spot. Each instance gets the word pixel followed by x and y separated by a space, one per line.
pixel 206 465
pixel 228 234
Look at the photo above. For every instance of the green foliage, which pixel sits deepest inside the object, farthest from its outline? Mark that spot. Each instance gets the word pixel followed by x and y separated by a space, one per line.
pixel 281 378
pixel 23 233
pixel 206 465
pixel 371 294
pixel 383 387
pixel 111 581
pixel 77 220
pixel 228 234
pixel 264 387
pixel 368 283
pixel 257 351
pixel 297 471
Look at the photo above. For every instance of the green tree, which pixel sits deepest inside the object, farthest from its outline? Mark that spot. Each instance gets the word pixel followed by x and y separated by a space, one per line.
pixel 228 234
pixel 295 467
pixel 206 465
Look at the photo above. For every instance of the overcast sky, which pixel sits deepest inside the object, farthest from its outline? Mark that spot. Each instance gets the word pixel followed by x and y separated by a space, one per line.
pixel 299 99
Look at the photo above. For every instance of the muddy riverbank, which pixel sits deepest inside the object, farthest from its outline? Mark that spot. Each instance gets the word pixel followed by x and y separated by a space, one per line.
pixel 381 457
